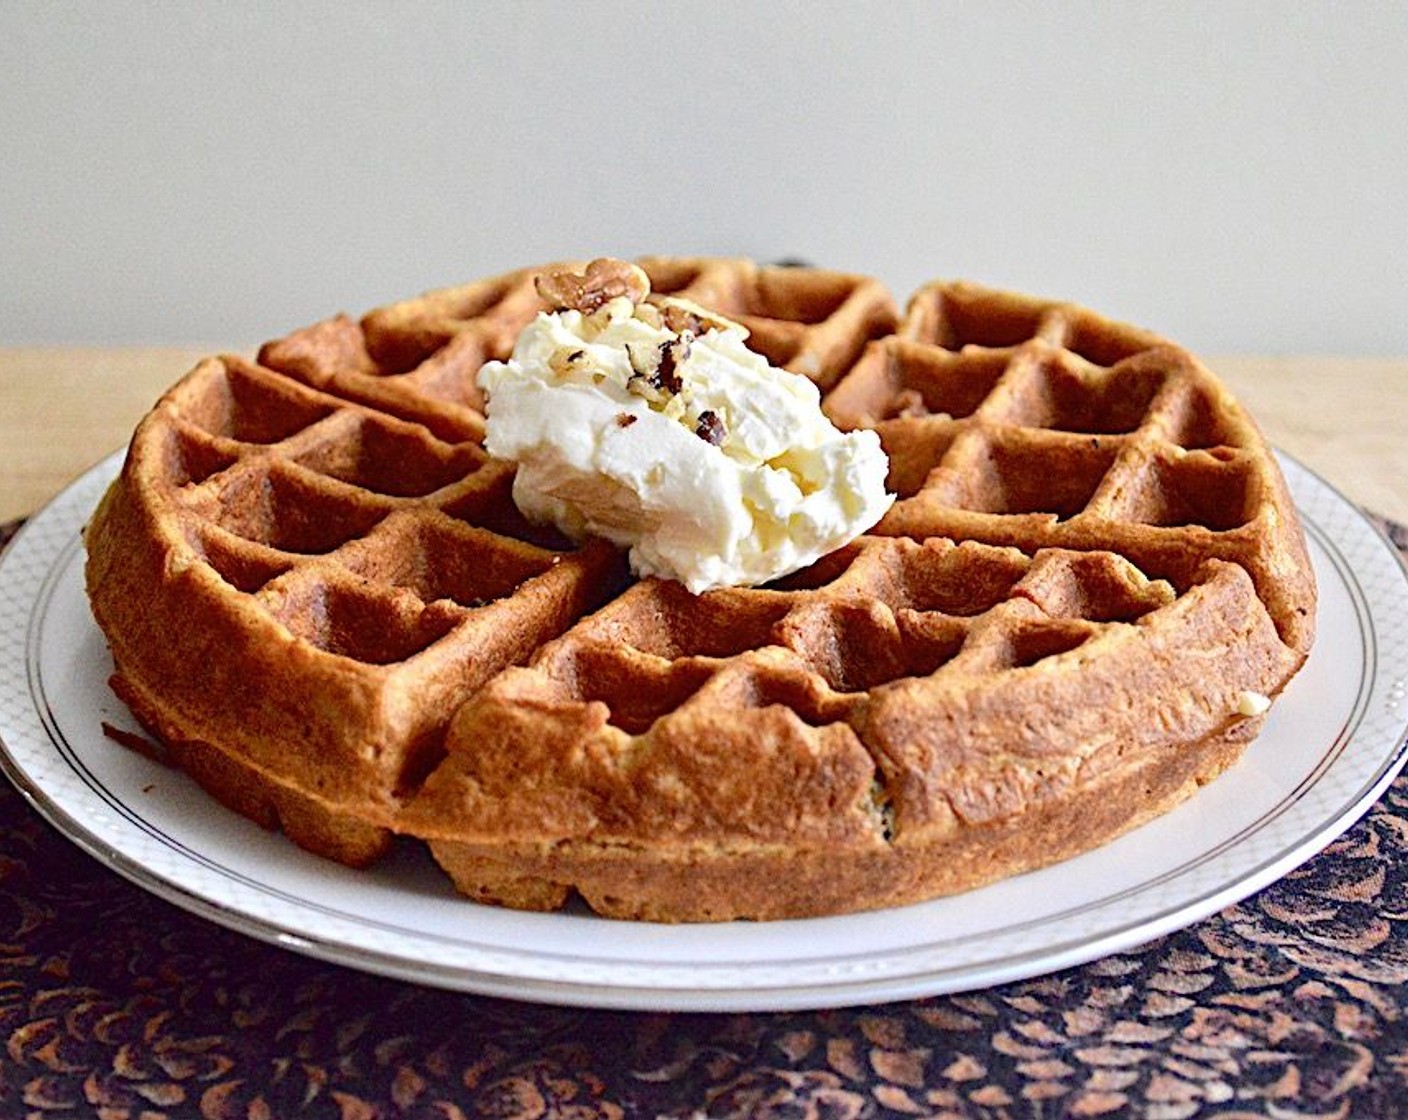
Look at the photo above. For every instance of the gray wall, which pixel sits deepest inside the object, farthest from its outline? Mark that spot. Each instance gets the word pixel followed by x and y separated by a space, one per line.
pixel 1233 174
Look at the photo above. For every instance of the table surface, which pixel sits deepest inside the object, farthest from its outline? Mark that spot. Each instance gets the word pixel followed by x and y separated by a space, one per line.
pixel 63 408
pixel 1291 1002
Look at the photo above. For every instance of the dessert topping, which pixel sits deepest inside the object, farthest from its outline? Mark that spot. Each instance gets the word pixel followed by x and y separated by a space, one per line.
pixel 647 420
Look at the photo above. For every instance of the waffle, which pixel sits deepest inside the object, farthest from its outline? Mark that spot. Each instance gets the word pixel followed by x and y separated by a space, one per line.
pixel 322 601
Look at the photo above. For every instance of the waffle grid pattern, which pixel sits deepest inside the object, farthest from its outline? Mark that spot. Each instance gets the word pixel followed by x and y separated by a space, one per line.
pixel 891 609
pixel 1019 421
pixel 355 529
pixel 331 506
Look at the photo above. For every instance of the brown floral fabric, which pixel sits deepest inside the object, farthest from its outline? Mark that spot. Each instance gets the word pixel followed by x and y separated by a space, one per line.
pixel 1294 1003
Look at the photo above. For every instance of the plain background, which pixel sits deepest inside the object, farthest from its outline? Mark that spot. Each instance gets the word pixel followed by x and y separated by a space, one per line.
pixel 1234 175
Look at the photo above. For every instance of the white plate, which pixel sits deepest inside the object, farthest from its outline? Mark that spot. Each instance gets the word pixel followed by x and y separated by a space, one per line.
pixel 1331 745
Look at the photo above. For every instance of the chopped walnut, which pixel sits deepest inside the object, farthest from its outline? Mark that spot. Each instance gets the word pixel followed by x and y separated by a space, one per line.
pixel 655 371
pixel 644 385
pixel 642 359
pixel 605 279
pixel 566 361
pixel 680 316
pixel 625 419
pixel 672 355
pixel 710 428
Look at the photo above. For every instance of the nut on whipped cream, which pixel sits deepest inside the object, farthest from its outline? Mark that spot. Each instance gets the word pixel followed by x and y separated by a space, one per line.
pixel 653 425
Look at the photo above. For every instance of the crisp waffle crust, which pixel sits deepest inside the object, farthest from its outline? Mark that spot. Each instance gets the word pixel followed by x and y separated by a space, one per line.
pixel 321 599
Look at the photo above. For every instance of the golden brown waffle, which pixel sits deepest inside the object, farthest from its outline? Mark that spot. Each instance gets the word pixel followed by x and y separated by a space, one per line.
pixel 321 598
pixel 1021 421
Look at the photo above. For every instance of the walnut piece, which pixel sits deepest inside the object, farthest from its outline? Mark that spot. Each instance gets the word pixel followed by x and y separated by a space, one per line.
pixel 672 356
pixel 605 279
pixel 655 371
pixel 680 316
pixel 567 362
pixel 711 428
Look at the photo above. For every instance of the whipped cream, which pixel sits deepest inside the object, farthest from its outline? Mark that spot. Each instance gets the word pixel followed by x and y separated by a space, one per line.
pixel 657 428
pixel 1251 703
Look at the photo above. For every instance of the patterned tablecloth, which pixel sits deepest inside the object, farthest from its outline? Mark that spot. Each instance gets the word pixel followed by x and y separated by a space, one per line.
pixel 1290 1004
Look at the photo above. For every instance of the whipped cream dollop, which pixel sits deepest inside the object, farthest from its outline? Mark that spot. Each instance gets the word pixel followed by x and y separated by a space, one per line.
pixel 654 425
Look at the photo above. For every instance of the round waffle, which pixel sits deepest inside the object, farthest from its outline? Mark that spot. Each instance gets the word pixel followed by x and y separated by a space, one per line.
pixel 322 601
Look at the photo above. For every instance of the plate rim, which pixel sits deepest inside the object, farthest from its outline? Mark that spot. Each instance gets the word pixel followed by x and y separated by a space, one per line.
pixel 837 990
